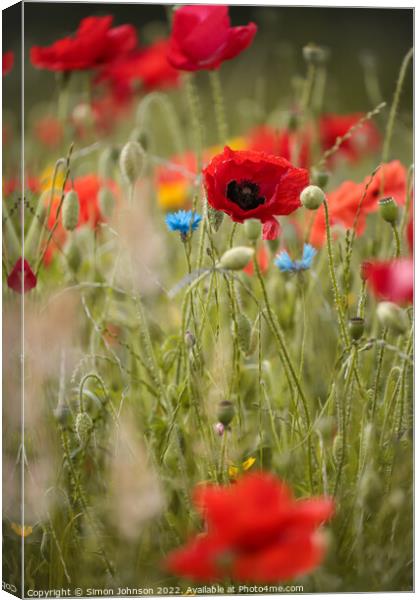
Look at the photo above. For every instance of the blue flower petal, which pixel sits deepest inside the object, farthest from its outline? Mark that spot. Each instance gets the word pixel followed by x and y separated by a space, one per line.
pixel 183 221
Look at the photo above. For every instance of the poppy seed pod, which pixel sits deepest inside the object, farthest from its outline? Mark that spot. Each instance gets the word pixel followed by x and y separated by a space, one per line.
pixel 83 426
pixel 312 197
pixel 388 209
pixel 132 161
pixel 392 317
pixel 237 258
pixel 253 229
pixel 106 202
pixel 225 413
pixel 356 328
pixel 70 210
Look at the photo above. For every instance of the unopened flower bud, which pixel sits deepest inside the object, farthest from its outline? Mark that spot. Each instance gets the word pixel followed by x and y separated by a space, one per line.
pixel 219 428
pixel 388 209
pixel 356 328
pixel 237 258
pixel 62 414
pixel 132 161
pixel 392 317
pixel 106 202
pixel 83 426
pixel 314 54
pixel 244 333
pixel 312 197
pixel 320 178
pixel 225 413
pixel 253 229
pixel 189 339
pixel 70 210
pixel 74 257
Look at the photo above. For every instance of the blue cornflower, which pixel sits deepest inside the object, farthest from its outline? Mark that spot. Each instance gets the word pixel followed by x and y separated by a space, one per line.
pixel 183 221
pixel 287 265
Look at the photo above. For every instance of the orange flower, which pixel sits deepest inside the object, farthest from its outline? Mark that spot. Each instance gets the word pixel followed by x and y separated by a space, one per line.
pixel 263 258
pixel 344 201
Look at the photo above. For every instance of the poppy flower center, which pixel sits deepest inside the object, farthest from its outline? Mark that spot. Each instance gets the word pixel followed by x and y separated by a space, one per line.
pixel 245 194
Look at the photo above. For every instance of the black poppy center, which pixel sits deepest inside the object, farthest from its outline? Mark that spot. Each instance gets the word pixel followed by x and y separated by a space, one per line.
pixel 245 194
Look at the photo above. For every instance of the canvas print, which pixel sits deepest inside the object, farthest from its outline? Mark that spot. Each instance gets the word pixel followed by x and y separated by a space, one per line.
pixel 207 299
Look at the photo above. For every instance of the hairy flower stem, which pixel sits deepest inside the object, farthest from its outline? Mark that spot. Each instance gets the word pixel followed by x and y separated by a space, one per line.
pixel 219 105
pixel 196 118
pixel 333 277
pixel 397 241
pixel 287 362
pixel 378 376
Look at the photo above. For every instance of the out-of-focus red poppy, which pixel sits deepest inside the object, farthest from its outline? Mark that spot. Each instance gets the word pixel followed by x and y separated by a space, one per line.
pixel 49 131
pixel 94 44
pixel 391 280
pixel 245 543
pixel 263 258
pixel 14 184
pixel 254 185
pixel 344 201
pixel 147 69
pixel 21 277
pixel 174 181
pixel 364 140
pixel 8 60
pixel 282 142
pixel 202 38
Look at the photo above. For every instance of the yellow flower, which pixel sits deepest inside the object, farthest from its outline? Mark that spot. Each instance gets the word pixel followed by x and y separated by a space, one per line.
pixel 234 471
pixel 236 143
pixel 247 464
pixel 173 194
pixel 47 176
pixel 21 531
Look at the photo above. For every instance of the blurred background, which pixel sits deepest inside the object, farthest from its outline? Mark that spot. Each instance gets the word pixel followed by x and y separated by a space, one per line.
pixel 353 35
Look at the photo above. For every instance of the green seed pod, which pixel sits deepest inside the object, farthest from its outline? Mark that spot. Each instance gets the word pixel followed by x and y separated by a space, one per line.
pixel 356 328
pixel 392 317
pixel 237 258
pixel 74 257
pixel 106 202
pixel 225 413
pixel 132 160
pixel 388 209
pixel 312 197
pixel 253 229
pixel 83 426
pixel 314 54
pixel 215 218
pixel 70 210
pixel 244 333
pixel 320 178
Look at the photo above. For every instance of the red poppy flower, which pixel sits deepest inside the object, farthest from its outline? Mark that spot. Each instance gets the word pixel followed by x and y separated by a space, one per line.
pixel 8 60
pixel 148 69
pixel 344 201
pixel 202 38
pixel 254 185
pixel 15 281
pixel 95 43
pixel 365 139
pixel 245 543
pixel 14 184
pixel 281 142
pixel 49 131
pixel 391 280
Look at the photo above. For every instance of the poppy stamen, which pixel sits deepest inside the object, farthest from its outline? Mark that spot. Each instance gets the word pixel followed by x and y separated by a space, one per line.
pixel 245 194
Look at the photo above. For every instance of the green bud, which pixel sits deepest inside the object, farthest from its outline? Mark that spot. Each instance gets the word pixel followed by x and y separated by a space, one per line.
pixel 74 257
pixel 62 414
pixel 312 197
pixel 225 413
pixel 388 209
pixel 392 317
pixel 106 202
pixel 215 218
pixel 253 229
pixel 237 258
pixel 314 54
pixel 244 333
pixel 132 160
pixel 356 328
pixel 70 210
pixel 83 426
pixel 320 178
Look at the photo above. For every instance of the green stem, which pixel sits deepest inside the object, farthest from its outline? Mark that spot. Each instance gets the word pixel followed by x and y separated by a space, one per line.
pixel 219 105
pixel 396 240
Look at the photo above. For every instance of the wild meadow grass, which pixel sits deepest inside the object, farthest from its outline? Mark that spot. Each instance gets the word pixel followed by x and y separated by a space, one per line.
pixel 151 365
